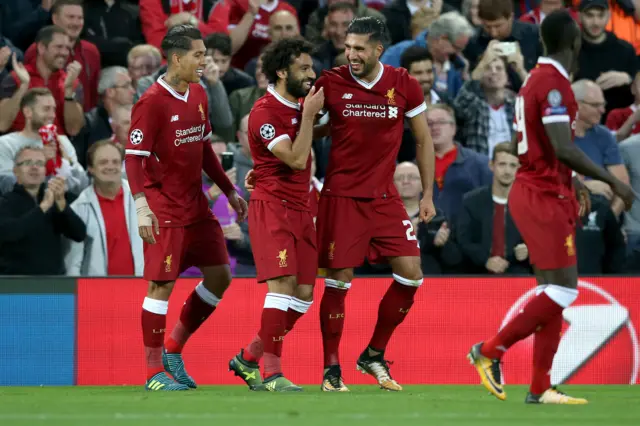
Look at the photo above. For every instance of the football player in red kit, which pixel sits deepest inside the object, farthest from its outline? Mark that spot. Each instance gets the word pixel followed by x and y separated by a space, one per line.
pixel 167 150
pixel 544 207
pixel 360 213
pixel 281 227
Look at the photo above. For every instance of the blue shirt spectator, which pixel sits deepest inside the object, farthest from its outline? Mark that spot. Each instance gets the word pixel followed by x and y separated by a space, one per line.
pixel 600 146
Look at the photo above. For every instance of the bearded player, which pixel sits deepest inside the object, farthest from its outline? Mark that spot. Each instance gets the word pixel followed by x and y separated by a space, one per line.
pixel 167 149
pixel 360 212
pixel 545 209
pixel 281 227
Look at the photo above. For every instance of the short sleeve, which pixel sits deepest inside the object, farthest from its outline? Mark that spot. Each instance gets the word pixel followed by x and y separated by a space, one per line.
pixel 415 98
pixel 610 151
pixel 143 130
pixel 554 103
pixel 266 128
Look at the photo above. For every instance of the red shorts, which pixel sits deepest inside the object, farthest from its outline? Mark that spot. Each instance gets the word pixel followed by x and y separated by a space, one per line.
pixel 176 249
pixel 350 229
pixel 547 225
pixel 283 241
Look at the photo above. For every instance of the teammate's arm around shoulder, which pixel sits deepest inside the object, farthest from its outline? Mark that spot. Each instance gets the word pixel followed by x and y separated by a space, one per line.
pixel 295 154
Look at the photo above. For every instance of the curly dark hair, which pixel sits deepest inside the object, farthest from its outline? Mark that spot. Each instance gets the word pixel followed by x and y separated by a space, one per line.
pixel 280 56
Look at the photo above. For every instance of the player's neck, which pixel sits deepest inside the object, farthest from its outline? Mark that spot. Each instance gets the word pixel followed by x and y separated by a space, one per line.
pixel 499 190
pixel 564 59
pixel 176 83
pixel 373 74
pixel 281 89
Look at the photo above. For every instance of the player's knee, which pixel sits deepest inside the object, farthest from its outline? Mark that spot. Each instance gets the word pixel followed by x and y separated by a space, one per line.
pixel 160 290
pixel 408 268
pixel 282 285
pixel 304 292
pixel 343 275
pixel 216 279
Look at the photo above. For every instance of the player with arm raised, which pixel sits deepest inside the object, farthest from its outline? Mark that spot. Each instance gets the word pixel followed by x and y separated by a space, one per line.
pixel 280 222
pixel 167 150
pixel 544 207
pixel 360 213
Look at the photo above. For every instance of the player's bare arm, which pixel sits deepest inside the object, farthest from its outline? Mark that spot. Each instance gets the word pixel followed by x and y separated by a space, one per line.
pixel 425 158
pixel 296 154
pixel 212 167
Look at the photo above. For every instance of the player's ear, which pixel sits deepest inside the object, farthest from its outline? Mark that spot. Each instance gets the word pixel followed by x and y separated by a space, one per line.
pixel 282 74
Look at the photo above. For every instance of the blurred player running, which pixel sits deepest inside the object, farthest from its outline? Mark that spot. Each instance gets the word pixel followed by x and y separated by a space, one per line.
pixel 360 213
pixel 166 152
pixel 281 227
pixel 544 208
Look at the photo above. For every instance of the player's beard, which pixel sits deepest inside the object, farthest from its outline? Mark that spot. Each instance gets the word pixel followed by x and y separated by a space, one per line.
pixel 367 68
pixel 296 87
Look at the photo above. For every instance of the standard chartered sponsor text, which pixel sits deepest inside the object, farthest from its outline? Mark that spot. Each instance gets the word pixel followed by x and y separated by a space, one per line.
pixel 199 134
pixel 363 110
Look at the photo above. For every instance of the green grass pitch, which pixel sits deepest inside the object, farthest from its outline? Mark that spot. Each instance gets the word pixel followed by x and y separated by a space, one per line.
pixel 365 405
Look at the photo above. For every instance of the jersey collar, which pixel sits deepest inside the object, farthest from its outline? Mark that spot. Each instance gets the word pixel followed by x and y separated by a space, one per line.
pixel 169 89
pixel 369 85
pixel 548 61
pixel 282 100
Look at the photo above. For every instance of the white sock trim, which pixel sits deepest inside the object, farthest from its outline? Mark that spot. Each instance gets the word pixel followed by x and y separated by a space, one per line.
pixel 406 281
pixel 159 307
pixel 277 301
pixel 563 296
pixel 336 284
pixel 206 296
pixel 540 289
pixel 299 305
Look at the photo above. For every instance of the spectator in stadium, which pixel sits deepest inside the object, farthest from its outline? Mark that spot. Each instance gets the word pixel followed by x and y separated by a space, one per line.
pixel 120 125
pixel 338 19
pixel 445 39
pixel 112 246
pixel 604 58
pixel 248 25
pixel 39 109
pixel 21 20
pixel 7 49
pixel 458 170
pixel 487 235
pixel 241 101
pixel 597 141
pixel 498 24
pixel 469 10
pixel 400 12
pixel 114 27
pixel 315 28
pixel 115 89
pixel 545 7
pixel 47 70
pixel 242 155
pixel 158 16
pixel 33 219
pixel 600 243
pixel 630 151
pixel 624 121
pixel 143 60
pixel 484 107
pixel 69 15
pixel 219 48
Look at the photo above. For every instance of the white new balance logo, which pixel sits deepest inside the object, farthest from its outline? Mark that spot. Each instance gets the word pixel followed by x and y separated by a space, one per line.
pixel 174 118
pixel 393 112
pixel 347 96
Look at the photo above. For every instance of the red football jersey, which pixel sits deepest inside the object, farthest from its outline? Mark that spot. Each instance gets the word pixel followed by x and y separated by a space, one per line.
pixel 367 121
pixel 272 120
pixel 171 130
pixel 545 97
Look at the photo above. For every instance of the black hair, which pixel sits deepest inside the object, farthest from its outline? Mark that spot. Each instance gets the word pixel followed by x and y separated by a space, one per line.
pixel 178 40
pixel 558 31
pixel 368 25
pixel 45 35
pixel 414 54
pixel 280 56
pixel 342 7
pixel 220 42
pixel 59 4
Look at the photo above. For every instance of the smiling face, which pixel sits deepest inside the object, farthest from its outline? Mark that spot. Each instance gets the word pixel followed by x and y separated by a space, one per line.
pixel 107 165
pixel 56 53
pixel 71 18
pixel 362 54
pixel 30 168
pixel 300 76
pixel 191 64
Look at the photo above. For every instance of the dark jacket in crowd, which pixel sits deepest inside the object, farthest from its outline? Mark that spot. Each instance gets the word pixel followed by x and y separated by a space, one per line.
pixel 434 260
pixel 96 127
pixel 474 232
pixel 31 240
pixel 399 19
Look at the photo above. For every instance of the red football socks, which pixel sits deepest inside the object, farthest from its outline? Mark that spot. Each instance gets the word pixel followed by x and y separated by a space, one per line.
pixel 154 321
pixel 332 311
pixel 545 346
pixel 392 311
pixel 538 312
pixel 272 326
pixel 199 306
pixel 297 308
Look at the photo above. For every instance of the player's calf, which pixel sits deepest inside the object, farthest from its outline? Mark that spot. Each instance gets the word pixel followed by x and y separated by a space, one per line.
pixel 332 315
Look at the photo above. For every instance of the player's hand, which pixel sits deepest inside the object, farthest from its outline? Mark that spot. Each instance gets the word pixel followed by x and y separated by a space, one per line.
pixel 20 70
pixel 313 103
pixel 250 181
pixel 521 251
pixel 148 225
pixel 442 236
pixel 232 232
pixel 597 187
pixel 583 196
pixel 73 72
pixel 625 192
pixel 211 71
pixel 181 18
pixel 497 265
pixel 239 206
pixel 610 79
pixel 427 209
pixel 254 6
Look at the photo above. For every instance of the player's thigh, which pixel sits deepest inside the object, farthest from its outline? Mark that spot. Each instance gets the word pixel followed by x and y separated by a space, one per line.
pixel 547 226
pixel 306 249
pixel 205 245
pixel 272 240
pixel 282 285
pixel 393 235
pixel 343 232
pixel 406 269
pixel 162 260
pixel 565 277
